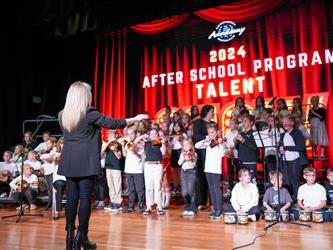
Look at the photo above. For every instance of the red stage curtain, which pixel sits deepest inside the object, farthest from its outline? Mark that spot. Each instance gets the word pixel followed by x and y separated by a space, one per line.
pixel 159 26
pixel 241 11
pixel 110 74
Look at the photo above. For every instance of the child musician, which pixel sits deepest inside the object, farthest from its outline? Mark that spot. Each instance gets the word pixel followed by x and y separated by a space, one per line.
pixel 30 188
pixel 187 160
pixel 292 145
pixel 311 196
pixel 59 181
pixel 113 155
pixel 134 171
pixel 155 150
pixel 270 200
pixel 244 196
pixel 318 133
pixel 47 168
pixel 177 137
pixel 165 185
pixel 33 162
pixel 213 167
pixel 247 147
pixel 329 187
pixel 232 153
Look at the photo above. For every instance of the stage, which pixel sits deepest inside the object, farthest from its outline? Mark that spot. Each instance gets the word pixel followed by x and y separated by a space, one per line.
pixel 173 231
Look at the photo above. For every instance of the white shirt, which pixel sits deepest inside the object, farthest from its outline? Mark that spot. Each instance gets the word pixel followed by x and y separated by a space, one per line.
pixel 47 165
pixel 244 197
pixel 230 142
pixel 11 167
pixel 134 164
pixel 311 195
pixel 187 164
pixel 56 176
pixel 32 178
pixel 34 164
pixel 289 141
pixel 213 163
pixel 176 143
pixel 41 146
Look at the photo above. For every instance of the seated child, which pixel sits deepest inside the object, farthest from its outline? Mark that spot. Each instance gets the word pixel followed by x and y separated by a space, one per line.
pixel 244 196
pixel 311 195
pixel 188 159
pixel 30 187
pixel 270 200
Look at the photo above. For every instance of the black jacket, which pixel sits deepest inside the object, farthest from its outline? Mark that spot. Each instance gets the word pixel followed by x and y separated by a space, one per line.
pixel 80 155
pixel 247 150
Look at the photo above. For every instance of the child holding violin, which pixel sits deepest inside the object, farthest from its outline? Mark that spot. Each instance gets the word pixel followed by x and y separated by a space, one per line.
pixel 247 147
pixel 153 169
pixel 133 152
pixel 29 188
pixel 177 136
pixel 188 159
pixel 165 184
pixel 113 154
pixel 215 150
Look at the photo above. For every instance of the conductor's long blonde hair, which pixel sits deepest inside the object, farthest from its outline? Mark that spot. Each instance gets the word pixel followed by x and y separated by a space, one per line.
pixel 78 100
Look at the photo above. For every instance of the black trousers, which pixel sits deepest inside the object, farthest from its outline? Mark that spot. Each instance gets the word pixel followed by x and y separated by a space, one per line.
pixel 232 164
pixel 202 185
pixel 49 186
pixel 291 171
pixel 100 186
pixel 59 186
pixel 79 189
pixel 29 195
pixel 136 187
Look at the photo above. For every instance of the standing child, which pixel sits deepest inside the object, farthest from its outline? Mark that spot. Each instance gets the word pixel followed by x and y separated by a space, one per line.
pixel 213 167
pixel 311 195
pixel 165 185
pixel 318 133
pixel 134 171
pixel 232 154
pixel 244 197
pixel 187 160
pixel 113 154
pixel 155 150
pixel 247 147
pixel 270 200
pixel 177 137
pixel 48 168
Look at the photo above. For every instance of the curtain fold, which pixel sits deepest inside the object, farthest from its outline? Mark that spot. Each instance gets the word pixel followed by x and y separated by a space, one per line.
pixel 161 25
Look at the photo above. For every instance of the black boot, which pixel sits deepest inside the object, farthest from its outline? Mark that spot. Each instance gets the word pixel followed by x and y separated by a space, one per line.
pixel 81 239
pixel 70 237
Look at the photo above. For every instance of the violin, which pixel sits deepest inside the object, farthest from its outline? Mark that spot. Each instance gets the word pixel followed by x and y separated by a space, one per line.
pixel 215 141
pixel 156 142
pixel 113 146
pixel 189 154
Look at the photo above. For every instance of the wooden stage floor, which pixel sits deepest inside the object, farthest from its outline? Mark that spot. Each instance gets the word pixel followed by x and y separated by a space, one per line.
pixel 112 230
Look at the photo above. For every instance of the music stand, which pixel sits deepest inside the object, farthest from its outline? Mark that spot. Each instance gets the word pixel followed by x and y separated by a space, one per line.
pixel 278 162
pixel 21 212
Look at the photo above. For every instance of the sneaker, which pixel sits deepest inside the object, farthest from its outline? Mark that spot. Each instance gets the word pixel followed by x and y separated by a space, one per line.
pixel 24 206
pixel 147 212
pixel 128 210
pixel 32 207
pixel 211 214
pixel 115 207
pixel 108 207
pixel 217 214
pixel 141 208
pixel 190 213
pixel 3 195
pixel 252 217
pixel 201 207
pixel 160 211
pixel 185 213
pixel 227 193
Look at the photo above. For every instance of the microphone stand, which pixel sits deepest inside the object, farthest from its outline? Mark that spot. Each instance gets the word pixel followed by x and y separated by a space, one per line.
pixel 278 162
pixel 21 212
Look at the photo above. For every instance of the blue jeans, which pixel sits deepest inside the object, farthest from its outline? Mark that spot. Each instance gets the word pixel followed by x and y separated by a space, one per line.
pixel 188 178
pixel 214 184
pixel 79 189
